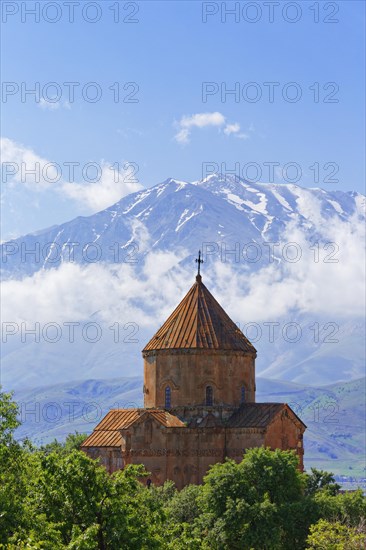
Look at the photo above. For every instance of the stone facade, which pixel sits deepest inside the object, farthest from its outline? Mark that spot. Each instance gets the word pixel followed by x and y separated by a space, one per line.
pixel 187 374
pixel 199 399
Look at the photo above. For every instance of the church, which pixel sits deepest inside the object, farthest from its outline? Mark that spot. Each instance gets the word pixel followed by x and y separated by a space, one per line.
pixel 199 400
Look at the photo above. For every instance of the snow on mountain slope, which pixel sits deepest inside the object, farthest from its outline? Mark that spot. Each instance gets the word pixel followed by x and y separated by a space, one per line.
pixel 131 263
pixel 271 205
pixel 174 213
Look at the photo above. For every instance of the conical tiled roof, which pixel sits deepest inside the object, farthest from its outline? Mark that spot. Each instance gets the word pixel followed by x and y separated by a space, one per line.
pixel 199 322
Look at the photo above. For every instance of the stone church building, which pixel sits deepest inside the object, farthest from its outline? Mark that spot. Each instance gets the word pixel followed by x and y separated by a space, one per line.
pixel 199 400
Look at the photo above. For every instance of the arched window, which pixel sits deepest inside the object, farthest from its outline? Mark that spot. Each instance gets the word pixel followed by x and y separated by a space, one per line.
pixel 242 394
pixel 209 396
pixel 168 397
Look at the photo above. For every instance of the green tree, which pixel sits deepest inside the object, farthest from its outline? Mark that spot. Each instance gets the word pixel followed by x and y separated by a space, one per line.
pixel 325 535
pixel 72 442
pixel 58 497
pixel 73 502
pixel 13 469
pixel 347 507
pixel 182 511
pixel 132 519
pixel 252 504
pixel 163 494
pixel 183 506
pixel 8 419
pixel 318 480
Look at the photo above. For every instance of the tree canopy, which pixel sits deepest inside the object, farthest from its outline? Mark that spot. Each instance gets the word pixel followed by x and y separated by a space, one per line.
pixel 55 496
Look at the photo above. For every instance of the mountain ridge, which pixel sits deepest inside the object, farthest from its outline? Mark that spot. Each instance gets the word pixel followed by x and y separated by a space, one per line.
pixel 140 263
pixel 215 198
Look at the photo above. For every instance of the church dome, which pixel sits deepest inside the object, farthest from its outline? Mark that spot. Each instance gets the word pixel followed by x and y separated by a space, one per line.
pixel 199 322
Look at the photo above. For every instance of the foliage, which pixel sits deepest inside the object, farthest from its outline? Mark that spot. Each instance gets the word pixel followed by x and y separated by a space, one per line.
pixel 335 536
pixel 183 506
pixel 319 480
pixel 72 442
pixel 13 465
pixel 344 507
pixel 251 504
pixel 58 497
pixel 8 419
pixel 73 502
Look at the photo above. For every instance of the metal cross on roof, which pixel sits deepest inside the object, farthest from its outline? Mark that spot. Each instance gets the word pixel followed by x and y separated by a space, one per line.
pixel 199 262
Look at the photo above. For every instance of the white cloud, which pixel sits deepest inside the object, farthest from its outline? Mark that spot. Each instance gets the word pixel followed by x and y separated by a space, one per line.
pixel 232 129
pixel 49 105
pixel 74 293
pixel 182 136
pixel 200 120
pixel 20 163
pixel 332 289
pixel 53 105
pixel 110 294
pixel 235 130
pixel 110 188
pixel 203 120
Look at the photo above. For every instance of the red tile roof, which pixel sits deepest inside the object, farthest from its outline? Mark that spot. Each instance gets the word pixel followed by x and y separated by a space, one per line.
pixel 166 419
pixel 107 432
pixel 249 415
pixel 257 415
pixel 199 322
pixel 117 419
pixel 103 438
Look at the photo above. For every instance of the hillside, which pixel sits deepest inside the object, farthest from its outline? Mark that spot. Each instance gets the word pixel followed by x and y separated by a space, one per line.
pixel 334 415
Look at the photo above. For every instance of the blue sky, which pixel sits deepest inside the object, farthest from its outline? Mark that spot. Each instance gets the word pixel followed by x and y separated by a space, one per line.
pixel 168 53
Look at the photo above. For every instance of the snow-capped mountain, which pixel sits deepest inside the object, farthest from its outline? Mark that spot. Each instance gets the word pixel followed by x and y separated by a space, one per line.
pixel 280 258
pixel 219 209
